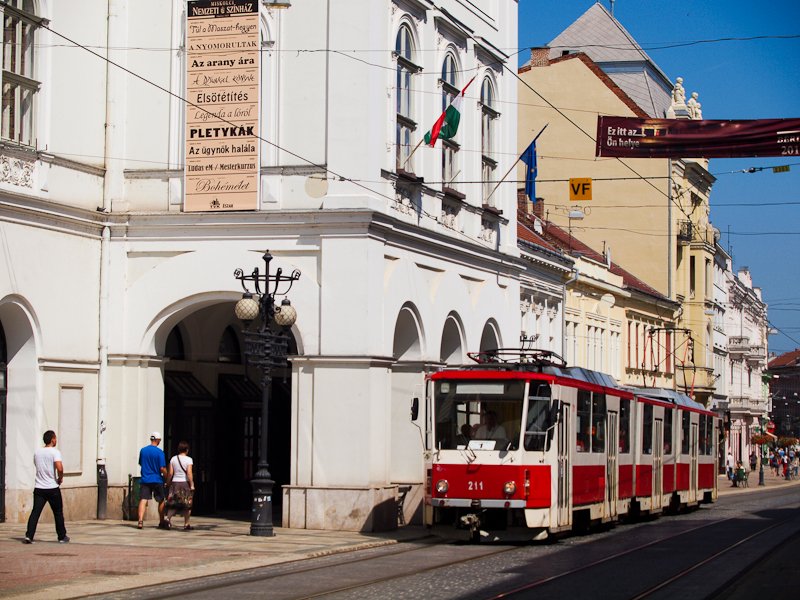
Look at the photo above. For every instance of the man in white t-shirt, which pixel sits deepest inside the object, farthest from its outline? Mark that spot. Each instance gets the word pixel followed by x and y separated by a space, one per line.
pixel 49 475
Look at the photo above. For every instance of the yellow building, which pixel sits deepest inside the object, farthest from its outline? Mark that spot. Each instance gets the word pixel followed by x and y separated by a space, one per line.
pixel 613 321
pixel 653 213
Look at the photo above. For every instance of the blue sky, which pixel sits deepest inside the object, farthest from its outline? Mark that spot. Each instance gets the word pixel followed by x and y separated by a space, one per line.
pixel 753 79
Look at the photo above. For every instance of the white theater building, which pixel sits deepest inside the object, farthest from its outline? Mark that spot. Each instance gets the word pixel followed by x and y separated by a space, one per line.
pixel 116 303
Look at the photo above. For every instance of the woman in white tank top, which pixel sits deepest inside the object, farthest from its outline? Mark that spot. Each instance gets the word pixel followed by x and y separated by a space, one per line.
pixel 180 477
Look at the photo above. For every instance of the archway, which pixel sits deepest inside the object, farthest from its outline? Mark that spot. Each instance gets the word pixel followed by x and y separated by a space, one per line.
pixel 451 351
pixel 212 400
pixel 3 395
pixel 490 337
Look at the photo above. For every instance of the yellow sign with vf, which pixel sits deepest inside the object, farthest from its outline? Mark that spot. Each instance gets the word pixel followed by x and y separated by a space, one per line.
pixel 580 188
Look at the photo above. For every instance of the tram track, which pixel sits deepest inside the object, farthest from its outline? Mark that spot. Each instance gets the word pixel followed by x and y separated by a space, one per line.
pixel 322 569
pixel 714 568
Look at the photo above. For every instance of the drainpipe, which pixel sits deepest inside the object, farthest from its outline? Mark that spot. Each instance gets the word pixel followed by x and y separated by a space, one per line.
pixel 111 190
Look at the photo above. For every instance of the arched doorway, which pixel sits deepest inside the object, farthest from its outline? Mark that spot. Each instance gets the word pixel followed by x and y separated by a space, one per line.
pixel 213 401
pixel 3 396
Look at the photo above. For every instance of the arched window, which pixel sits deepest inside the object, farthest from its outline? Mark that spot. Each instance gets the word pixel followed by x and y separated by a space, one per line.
pixel 404 49
pixel 19 86
pixel 449 82
pixel 229 350
pixel 174 346
pixel 488 117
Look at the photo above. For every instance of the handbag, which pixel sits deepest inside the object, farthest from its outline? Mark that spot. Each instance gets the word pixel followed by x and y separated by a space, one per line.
pixel 180 498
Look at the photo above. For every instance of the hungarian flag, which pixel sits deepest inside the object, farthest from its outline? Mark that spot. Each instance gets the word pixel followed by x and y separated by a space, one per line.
pixel 446 125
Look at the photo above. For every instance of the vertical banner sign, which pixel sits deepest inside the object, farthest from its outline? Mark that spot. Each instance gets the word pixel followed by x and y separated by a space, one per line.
pixel 222 162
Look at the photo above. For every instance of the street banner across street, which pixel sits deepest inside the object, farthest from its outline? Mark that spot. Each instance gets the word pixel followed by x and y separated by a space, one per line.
pixel 626 137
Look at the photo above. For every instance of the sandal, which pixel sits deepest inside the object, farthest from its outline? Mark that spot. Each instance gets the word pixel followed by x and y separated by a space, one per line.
pixel 140 525
pixel 187 527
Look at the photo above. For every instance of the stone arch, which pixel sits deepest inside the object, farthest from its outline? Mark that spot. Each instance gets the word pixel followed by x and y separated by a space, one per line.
pixel 21 403
pixel 451 350
pixel 408 334
pixel 490 336
pixel 216 404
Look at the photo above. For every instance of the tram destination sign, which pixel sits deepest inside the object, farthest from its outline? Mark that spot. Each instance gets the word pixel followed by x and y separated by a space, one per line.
pixel 626 137
pixel 222 89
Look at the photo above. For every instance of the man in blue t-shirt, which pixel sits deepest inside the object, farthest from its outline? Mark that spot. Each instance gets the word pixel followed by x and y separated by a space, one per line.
pixel 154 469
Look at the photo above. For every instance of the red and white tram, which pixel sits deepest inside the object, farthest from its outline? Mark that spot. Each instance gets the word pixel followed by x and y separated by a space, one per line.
pixel 520 445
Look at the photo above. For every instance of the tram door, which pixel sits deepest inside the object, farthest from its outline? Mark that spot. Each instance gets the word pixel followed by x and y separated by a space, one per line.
pixel 612 471
pixel 566 441
pixel 693 439
pixel 658 463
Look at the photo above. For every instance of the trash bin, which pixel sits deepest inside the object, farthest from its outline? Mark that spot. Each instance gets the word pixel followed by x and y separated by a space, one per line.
pixel 130 507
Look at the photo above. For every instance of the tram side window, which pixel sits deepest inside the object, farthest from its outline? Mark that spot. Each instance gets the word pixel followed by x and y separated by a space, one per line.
pixel 668 431
pixel 584 425
pixel 598 423
pixel 703 439
pixel 685 424
pixel 539 422
pixel 624 426
pixel 647 429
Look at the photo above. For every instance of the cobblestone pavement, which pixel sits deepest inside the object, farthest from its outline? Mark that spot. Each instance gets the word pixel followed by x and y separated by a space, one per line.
pixel 110 555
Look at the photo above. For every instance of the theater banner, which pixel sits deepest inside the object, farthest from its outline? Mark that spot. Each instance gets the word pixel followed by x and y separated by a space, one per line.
pixel 688 138
pixel 222 86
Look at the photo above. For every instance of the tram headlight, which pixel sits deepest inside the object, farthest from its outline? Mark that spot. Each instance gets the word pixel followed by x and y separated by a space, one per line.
pixel 442 486
pixel 509 487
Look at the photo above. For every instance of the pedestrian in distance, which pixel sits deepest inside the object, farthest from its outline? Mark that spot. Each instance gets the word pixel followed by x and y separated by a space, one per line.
pixel 46 490
pixel 180 480
pixel 154 468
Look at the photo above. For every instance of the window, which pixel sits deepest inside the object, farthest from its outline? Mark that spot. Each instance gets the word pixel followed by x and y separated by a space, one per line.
pixel 591 429
pixel 488 116
pixel 404 48
pixel 647 429
pixel 541 418
pixel 703 442
pixel 668 431
pixel 692 277
pixel 450 148
pixel 229 347
pixel 19 85
pixel 624 426
pixel 584 424
pixel 685 425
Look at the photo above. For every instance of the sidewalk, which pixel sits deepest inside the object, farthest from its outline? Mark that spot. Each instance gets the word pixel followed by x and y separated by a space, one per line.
pixel 724 485
pixel 110 555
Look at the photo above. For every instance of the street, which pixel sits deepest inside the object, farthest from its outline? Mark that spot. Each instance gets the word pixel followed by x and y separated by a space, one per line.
pixel 713 552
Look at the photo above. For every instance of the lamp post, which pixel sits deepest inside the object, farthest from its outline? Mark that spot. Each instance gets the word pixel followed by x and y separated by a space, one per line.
pixel 761 421
pixel 265 347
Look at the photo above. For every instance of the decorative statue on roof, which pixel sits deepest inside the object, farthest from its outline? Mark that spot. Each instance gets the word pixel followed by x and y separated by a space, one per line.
pixel 693 105
pixel 678 93
pixel 678 106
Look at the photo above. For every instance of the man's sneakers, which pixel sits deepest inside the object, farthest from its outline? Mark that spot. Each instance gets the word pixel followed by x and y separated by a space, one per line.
pixel 64 540
pixel 27 540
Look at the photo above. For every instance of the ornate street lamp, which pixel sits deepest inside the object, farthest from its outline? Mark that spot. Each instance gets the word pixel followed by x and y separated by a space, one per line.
pixel 265 347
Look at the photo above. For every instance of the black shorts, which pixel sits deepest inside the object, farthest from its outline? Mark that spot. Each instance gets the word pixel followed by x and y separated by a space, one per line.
pixel 152 490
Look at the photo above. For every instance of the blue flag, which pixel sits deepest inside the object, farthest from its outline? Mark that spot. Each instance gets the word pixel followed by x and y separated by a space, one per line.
pixel 529 158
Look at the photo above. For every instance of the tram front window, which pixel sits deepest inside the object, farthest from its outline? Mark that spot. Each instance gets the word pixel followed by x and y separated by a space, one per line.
pixel 480 415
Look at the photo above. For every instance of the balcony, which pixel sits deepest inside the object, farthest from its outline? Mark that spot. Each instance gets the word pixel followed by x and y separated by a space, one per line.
pixel 756 357
pixel 744 405
pixel 738 347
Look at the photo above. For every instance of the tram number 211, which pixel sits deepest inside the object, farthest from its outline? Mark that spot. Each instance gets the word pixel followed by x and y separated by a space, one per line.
pixel 475 486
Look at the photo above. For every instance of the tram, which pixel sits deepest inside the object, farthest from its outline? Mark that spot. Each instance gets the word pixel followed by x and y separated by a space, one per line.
pixel 521 446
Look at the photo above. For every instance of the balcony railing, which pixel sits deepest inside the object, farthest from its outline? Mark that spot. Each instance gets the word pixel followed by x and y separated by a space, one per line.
pixel 756 356
pixel 738 346
pixel 745 405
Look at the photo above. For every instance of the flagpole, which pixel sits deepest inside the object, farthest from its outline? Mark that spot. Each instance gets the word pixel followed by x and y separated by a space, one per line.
pixel 405 162
pixel 519 158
